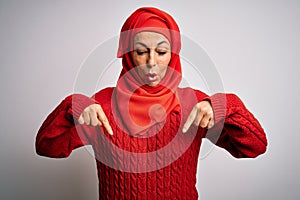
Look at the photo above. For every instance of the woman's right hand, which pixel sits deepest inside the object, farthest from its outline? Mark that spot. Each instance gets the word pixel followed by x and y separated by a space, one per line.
pixel 94 115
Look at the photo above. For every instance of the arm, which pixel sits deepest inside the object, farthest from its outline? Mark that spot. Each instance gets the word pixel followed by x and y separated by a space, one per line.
pixel 59 134
pixel 241 135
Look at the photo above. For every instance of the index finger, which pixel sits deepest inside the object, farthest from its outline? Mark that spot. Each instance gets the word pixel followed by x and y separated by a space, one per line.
pixel 104 121
pixel 189 120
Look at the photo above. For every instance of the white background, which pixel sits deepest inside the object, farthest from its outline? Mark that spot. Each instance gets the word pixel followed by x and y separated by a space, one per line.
pixel 254 44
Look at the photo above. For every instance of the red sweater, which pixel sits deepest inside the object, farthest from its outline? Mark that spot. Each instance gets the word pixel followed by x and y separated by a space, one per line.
pixel 174 176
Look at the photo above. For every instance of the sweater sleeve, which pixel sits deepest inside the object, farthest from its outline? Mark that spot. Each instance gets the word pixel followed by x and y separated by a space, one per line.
pixel 236 129
pixel 60 133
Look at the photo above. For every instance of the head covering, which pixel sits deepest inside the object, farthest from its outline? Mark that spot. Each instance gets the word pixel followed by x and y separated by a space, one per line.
pixel 140 106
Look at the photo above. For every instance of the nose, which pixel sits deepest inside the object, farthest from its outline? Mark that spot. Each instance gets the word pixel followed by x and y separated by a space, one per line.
pixel 151 58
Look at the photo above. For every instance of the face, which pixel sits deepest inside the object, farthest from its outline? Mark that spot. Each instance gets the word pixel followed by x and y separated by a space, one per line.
pixel 151 56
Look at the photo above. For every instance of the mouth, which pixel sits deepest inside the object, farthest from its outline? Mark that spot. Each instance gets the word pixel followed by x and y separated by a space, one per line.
pixel 151 77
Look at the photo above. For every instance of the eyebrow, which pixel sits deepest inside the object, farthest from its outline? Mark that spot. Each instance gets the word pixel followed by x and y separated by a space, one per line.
pixel 144 45
pixel 161 43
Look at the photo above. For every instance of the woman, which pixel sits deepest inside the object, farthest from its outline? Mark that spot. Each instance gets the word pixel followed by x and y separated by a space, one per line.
pixel 146 132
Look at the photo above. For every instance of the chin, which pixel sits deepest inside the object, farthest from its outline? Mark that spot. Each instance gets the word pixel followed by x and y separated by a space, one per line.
pixel 152 84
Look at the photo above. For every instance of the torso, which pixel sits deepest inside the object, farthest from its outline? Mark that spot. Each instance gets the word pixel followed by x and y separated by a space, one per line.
pixel 162 166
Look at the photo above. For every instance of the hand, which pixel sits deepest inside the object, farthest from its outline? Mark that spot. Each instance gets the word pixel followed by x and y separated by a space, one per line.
pixel 94 115
pixel 202 114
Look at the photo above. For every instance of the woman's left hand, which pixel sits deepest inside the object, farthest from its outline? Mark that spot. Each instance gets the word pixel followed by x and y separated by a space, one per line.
pixel 201 115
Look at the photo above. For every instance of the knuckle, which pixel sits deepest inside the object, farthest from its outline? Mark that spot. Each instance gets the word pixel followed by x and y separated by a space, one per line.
pixel 87 108
pixel 99 107
pixel 205 109
pixel 92 109
pixel 85 111
pixel 203 124
pixel 101 115
pixel 94 123
pixel 85 115
pixel 104 120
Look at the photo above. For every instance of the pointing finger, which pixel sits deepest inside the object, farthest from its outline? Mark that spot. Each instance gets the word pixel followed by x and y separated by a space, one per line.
pixel 190 120
pixel 104 121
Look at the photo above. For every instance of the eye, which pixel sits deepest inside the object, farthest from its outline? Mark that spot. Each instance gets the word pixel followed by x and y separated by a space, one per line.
pixel 140 53
pixel 162 53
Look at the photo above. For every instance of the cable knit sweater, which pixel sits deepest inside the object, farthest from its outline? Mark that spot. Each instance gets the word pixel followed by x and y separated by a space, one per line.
pixel 241 135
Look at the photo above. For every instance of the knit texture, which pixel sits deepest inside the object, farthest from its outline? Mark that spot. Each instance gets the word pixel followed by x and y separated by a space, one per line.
pixel 241 135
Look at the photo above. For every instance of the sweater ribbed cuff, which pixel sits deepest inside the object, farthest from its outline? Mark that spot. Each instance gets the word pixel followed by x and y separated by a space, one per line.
pixel 218 102
pixel 78 103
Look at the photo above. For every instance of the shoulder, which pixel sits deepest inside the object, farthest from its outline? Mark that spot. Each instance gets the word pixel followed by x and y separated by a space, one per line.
pixel 103 96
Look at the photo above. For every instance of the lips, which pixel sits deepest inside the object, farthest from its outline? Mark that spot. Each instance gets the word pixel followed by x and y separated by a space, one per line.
pixel 152 77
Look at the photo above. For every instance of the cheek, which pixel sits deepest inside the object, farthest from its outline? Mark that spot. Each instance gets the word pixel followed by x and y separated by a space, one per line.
pixel 135 60
pixel 166 60
pixel 164 65
pixel 163 71
pixel 141 70
pixel 138 60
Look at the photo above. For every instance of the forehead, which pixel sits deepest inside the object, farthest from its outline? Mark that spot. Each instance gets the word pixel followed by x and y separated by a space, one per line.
pixel 150 38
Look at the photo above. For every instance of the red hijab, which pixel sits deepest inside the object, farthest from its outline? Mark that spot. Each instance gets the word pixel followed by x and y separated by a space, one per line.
pixel 140 106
